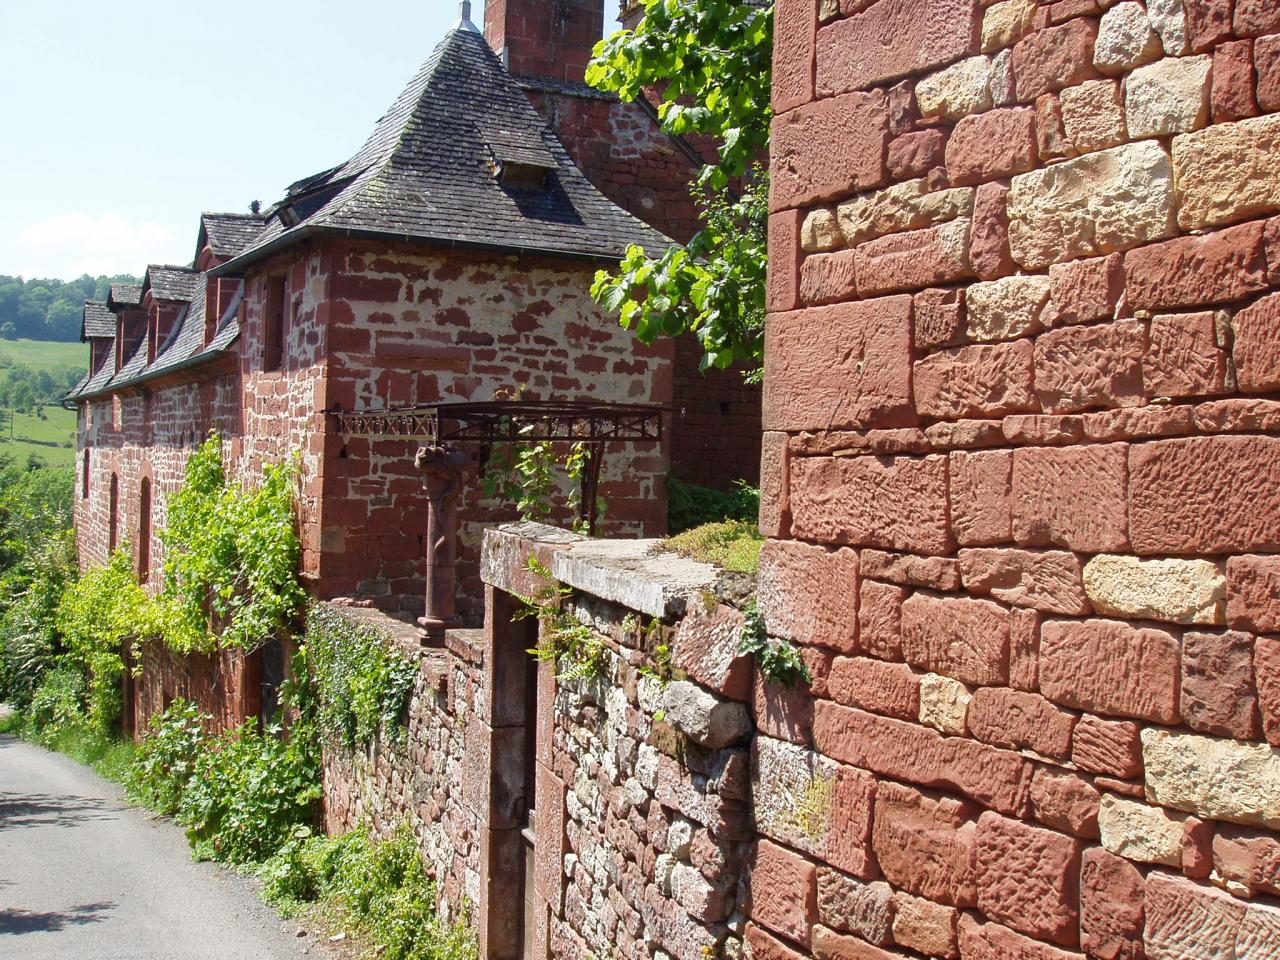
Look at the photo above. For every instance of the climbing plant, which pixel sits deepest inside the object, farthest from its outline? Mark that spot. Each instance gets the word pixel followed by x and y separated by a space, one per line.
pixel 575 649
pixel 780 661
pixel 231 557
pixel 527 473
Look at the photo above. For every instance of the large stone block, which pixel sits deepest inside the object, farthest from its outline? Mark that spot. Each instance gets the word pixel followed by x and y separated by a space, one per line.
pixel 1108 747
pixel 704 718
pixel 958 90
pixel 1259 934
pixel 981 512
pixel 1093 116
pixel 965 639
pixel 1006 22
pixel 1125 39
pixel 849 905
pixel 1028 878
pixel 994 144
pixel 890 39
pixel 915 260
pixel 783 275
pixel 1100 203
pixel 912 205
pixel 1072 497
pixel 784 891
pixel 804 593
pixel 1186 921
pixel 944 704
pixel 706 648
pixel 1168 97
pixel 1256 345
pixel 828 278
pixel 829 149
pixel 1183 356
pixel 897 503
pixel 1018 720
pixel 1205 495
pixel 1169 19
pixel 1214 186
pixel 1218 694
pixel 1253 18
pixel 1220 267
pixel 1179 591
pixel 1266 670
pixel 1248 857
pixel 988 239
pixel 889 689
pixel 976 381
pixel 1111 668
pixel 1079 368
pixel 992 941
pixel 1140 832
pixel 924 843
pixel 880 620
pixel 926 927
pixel 1055 57
pixel 1008 308
pixel 1111 907
pixel 856 374
pixel 1048 580
pixel 794 32
pixel 1087 290
pixel 1253 593
pixel 1214 778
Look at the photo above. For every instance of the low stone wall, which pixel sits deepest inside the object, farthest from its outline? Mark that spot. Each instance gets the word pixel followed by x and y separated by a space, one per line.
pixel 639 775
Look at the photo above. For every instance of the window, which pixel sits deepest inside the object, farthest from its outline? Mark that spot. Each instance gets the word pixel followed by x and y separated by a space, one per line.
pixel 273 326
pixel 84 483
pixel 144 531
pixel 113 528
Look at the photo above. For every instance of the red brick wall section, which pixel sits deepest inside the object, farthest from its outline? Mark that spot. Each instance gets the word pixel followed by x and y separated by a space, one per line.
pixel 1021 375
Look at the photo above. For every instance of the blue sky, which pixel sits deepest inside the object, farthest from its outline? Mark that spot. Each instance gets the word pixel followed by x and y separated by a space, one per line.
pixel 124 120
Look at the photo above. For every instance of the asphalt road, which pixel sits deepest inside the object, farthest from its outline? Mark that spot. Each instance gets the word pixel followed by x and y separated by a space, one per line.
pixel 84 876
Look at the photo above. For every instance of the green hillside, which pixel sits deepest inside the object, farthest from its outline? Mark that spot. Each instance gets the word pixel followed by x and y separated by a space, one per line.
pixel 33 375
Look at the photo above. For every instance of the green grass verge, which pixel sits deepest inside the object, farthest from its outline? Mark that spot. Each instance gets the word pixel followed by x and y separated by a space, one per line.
pixel 109 756
pixel 733 545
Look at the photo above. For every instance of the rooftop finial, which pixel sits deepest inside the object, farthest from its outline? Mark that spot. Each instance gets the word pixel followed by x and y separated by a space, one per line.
pixel 464 17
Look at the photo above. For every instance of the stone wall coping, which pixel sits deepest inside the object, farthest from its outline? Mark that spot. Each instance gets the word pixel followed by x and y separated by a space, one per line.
pixel 637 574
pixel 435 661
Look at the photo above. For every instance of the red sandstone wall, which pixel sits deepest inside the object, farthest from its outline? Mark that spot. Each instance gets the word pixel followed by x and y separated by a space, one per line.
pixel 1021 478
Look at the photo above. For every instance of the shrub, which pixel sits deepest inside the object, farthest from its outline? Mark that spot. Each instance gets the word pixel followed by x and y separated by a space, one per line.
pixel 59 702
pixel 166 758
pixel 689 505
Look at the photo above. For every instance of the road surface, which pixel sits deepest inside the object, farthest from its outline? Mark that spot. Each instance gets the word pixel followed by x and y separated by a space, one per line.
pixel 83 876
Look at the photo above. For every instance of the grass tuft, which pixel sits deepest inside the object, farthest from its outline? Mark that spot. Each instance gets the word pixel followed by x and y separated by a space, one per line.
pixel 733 545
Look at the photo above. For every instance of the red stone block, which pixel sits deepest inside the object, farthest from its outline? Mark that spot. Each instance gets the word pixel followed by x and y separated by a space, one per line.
pixel 795 24
pixel 848 841
pixel 1110 747
pixel 706 649
pixel 924 843
pixel 1257 345
pixel 1253 18
pixel 1185 919
pixel 1065 802
pixel 1087 290
pixel 891 689
pixel 775 505
pixel 1136 423
pixel 1047 580
pixel 1111 907
pixel 1028 878
pixel 782 712
pixel 897 503
pixel 880 620
pixel 827 278
pixel 980 505
pixel 1233 82
pixel 1249 857
pixel 365 289
pixel 1218 695
pixel 828 150
pixel 1109 667
pixel 957 637
pixel 995 778
pixel 987 146
pixel 1266 61
pixel 806 594
pixel 1020 721
pixel 784 887
pixel 1024 649
pixel 765 946
pixel 935 573
pixel 1208 22
pixel 1183 357
pixel 914 260
pixel 1266 670
pixel 983 380
pixel 784 261
pixel 1205 495
pixel 913 155
pixel 856 374
pixel 1071 497
pixel 829 945
pixel 939 318
pixel 1218 267
pixel 892 39
pixel 1079 368
pixel 1028 429
pixel 1051 134
pixel 991 941
pixel 1253 593
pixel 1051 59
pixel 926 927
pixel 989 235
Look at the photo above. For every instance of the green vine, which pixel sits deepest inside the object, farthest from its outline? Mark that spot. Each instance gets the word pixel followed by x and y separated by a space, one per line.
pixel 576 650
pixel 361 682
pixel 779 660
pixel 231 557
pixel 526 472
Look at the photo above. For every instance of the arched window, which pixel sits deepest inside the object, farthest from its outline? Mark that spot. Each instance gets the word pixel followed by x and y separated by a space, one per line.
pixel 114 521
pixel 144 531
pixel 84 484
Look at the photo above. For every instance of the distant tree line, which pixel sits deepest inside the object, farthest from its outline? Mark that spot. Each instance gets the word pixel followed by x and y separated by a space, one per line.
pixel 26 390
pixel 49 309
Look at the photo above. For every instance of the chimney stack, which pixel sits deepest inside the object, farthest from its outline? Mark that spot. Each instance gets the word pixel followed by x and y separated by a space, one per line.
pixel 544 39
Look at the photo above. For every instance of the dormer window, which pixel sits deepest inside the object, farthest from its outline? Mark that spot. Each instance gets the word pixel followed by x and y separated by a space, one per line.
pixel 519 158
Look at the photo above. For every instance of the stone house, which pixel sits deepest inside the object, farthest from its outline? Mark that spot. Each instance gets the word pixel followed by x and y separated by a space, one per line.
pixel 450 259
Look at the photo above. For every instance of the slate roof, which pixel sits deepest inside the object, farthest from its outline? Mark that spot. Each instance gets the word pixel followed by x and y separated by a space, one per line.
pixel 228 234
pixel 427 173
pixel 124 295
pixel 167 282
pixel 98 321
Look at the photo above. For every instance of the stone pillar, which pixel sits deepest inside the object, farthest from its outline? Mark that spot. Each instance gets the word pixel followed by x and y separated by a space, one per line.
pixel 442 478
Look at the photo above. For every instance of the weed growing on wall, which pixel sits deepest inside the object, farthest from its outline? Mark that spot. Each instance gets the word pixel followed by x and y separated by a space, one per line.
pixel 733 545
pixel 527 473
pixel 360 681
pixel 576 650
pixel 231 557
pixel 779 660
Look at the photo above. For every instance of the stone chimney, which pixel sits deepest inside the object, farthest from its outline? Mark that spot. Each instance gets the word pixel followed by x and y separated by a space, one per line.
pixel 544 39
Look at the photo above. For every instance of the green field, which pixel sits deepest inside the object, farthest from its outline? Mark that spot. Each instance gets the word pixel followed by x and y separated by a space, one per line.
pixel 25 434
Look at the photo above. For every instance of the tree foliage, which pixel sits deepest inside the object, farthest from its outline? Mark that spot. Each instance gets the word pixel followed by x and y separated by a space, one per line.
pixel 43 309
pixel 711 62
